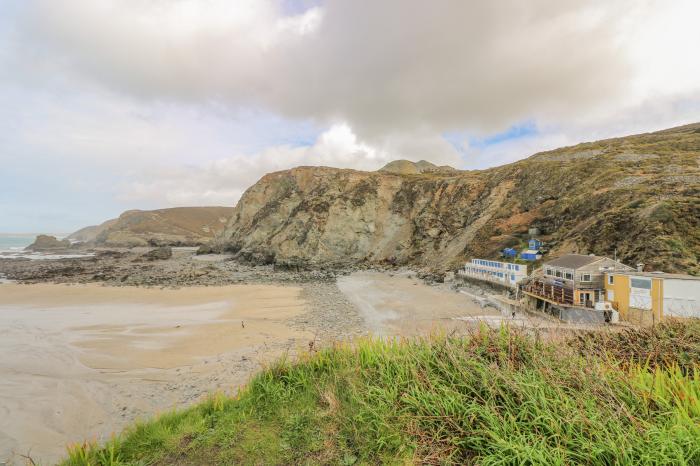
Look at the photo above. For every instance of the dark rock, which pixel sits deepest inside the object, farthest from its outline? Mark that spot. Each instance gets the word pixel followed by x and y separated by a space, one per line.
pixel 161 253
pixel 207 249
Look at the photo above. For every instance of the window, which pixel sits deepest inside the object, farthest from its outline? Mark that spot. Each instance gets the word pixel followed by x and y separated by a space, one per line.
pixel 586 277
pixel 549 272
pixel 512 277
pixel 558 273
pixel 641 283
pixel 611 279
pixel 569 276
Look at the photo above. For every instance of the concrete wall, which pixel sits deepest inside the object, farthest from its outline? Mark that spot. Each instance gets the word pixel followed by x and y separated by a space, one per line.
pixel 569 315
pixel 482 282
pixel 681 298
pixel 581 316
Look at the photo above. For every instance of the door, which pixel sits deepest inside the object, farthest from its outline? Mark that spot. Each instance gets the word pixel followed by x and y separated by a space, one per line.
pixel 584 297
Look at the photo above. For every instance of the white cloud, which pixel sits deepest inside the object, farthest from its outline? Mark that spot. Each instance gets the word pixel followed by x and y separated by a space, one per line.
pixel 223 181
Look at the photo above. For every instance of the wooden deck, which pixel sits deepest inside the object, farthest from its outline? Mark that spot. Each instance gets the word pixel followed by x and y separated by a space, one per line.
pixel 553 294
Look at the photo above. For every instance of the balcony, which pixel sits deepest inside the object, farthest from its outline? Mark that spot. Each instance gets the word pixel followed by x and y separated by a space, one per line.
pixel 553 293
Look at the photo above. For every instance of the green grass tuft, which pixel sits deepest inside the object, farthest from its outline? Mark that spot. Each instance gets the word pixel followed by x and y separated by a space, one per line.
pixel 495 398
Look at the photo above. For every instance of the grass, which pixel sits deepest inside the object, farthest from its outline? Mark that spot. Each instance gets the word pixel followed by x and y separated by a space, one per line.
pixel 494 398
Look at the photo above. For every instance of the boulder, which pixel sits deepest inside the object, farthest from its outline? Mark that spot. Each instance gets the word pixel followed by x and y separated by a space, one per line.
pixel 207 248
pixel 161 253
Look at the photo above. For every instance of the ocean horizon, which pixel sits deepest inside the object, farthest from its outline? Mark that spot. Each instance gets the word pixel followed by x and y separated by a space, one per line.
pixel 12 246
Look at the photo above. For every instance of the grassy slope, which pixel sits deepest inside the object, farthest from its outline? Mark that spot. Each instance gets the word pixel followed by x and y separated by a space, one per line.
pixel 495 398
pixel 639 195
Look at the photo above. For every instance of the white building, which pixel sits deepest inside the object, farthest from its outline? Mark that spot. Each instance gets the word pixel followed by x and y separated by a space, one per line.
pixel 503 273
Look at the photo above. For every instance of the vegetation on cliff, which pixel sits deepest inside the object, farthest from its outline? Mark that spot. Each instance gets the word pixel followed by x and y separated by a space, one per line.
pixel 494 398
pixel 177 226
pixel 637 196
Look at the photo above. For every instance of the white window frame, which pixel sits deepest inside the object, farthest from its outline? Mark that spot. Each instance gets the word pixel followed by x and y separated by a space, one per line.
pixel 611 279
pixel 583 277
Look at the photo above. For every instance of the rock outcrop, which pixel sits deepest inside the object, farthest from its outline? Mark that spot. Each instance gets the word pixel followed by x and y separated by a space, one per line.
pixel 580 198
pixel 158 254
pixel 178 226
pixel 48 243
pixel 406 167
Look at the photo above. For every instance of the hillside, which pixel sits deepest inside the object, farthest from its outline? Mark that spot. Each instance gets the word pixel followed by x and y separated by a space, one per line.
pixel 497 397
pixel 639 195
pixel 178 226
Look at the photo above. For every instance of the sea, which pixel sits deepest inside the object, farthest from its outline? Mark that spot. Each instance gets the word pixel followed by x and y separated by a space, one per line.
pixel 12 247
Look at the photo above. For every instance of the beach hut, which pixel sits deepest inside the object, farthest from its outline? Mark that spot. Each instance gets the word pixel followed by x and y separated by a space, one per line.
pixel 531 254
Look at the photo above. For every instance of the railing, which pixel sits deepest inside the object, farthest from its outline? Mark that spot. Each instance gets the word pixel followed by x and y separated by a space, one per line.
pixel 557 294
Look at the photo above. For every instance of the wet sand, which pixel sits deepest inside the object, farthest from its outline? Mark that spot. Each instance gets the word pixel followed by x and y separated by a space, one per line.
pixel 402 305
pixel 82 361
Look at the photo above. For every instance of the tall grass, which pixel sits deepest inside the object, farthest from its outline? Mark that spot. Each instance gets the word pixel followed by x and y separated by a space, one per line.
pixel 494 398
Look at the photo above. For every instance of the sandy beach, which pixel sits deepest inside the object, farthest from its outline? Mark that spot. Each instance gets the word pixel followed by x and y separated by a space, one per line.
pixel 82 361
pixel 401 304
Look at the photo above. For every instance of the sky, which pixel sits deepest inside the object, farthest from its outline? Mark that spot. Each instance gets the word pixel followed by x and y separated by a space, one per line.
pixel 109 105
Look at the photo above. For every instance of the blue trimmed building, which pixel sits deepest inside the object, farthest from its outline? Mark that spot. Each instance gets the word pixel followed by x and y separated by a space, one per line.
pixel 504 273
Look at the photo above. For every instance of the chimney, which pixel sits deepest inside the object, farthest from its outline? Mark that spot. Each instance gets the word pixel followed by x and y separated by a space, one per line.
pixel 640 267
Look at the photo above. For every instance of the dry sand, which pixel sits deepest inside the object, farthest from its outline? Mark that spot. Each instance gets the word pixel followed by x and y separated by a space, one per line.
pixel 83 361
pixel 402 305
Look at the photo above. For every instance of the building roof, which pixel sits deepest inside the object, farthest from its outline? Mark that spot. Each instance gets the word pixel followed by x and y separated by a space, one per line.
pixel 573 261
pixel 678 276
pixel 531 251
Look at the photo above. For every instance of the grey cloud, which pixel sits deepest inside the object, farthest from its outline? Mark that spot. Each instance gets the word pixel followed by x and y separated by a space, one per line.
pixel 387 67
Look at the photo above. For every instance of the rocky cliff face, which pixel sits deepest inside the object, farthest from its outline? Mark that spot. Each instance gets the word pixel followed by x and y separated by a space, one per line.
pixel 639 195
pixel 178 226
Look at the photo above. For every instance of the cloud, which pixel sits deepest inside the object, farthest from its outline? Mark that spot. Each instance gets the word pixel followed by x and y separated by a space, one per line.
pixel 223 181
pixel 169 102
pixel 384 68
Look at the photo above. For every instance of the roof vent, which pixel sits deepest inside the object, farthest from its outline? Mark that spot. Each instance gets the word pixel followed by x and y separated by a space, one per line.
pixel 640 267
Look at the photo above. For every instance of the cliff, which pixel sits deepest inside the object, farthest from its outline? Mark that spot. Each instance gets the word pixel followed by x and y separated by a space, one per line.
pixel 178 226
pixel 639 195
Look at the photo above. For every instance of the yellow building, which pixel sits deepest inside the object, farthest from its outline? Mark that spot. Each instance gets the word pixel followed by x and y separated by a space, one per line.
pixel 645 298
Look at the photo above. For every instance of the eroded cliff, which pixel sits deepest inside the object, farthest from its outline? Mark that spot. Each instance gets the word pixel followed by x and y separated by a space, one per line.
pixel 637 195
